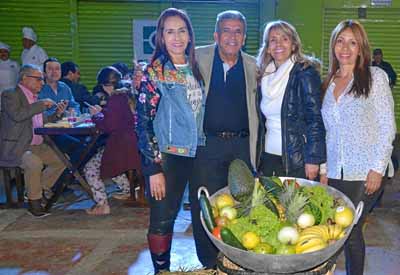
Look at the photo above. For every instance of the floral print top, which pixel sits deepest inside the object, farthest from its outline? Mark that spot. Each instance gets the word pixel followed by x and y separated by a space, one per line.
pixel 149 96
pixel 359 130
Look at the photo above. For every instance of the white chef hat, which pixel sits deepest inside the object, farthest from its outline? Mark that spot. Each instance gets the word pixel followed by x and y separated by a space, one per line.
pixel 4 46
pixel 29 34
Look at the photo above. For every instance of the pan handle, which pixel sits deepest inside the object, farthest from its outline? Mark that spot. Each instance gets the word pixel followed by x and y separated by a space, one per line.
pixel 359 211
pixel 203 189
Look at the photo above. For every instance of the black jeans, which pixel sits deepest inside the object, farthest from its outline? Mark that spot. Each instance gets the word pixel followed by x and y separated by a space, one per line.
pixel 354 247
pixel 272 165
pixel 211 170
pixel 178 172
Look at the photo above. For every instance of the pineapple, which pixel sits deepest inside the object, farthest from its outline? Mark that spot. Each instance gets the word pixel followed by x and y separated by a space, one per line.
pixel 293 201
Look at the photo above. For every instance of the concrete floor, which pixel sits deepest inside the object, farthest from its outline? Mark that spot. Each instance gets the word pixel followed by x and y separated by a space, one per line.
pixel 71 242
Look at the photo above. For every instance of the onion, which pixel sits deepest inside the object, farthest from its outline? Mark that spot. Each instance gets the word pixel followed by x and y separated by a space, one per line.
pixel 288 235
pixel 228 212
pixel 305 220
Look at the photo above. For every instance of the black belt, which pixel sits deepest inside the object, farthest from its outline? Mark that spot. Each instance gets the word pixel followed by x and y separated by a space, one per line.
pixel 230 134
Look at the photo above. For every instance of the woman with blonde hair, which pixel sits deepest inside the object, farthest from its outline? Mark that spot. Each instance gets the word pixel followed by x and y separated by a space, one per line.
pixel 358 114
pixel 292 134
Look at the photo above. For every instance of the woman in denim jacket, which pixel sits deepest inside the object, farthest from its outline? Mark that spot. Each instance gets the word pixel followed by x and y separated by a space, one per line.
pixel 170 120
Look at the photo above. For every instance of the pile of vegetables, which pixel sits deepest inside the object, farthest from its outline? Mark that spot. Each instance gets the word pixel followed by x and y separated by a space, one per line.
pixel 265 215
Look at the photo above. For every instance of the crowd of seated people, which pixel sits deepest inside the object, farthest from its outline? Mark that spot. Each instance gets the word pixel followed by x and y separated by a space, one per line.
pixel 60 94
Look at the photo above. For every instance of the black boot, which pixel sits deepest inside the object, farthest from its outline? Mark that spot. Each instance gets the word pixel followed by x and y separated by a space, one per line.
pixel 160 249
pixel 35 208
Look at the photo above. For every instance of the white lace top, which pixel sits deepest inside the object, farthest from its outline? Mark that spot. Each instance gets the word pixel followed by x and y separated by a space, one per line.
pixel 359 131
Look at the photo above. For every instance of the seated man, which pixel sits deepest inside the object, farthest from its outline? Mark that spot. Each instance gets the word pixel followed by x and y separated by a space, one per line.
pixel 58 91
pixel 22 112
pixel 54 88
pixel 70 75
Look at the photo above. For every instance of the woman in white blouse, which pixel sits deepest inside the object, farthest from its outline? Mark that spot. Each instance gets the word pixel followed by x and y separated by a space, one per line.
pixel 292 135
pixel 358 114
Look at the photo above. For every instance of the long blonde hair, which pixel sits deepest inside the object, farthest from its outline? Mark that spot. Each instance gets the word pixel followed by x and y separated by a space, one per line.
pixel 264 58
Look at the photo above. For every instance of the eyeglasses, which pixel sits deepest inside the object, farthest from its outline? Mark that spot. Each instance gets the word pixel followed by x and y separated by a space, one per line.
pixel 36 77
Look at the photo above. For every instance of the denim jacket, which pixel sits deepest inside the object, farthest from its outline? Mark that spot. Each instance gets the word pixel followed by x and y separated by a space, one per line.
pixel 166 122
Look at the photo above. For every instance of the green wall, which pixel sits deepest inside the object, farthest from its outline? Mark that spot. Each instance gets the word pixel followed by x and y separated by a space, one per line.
pixel 97 33
pixel 306 16
pixel 315 19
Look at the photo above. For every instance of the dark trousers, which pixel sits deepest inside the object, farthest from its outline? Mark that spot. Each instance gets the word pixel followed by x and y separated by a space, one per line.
pixel 69 145
pixel 177 171
pixel 211 170
pixel 354 247
pixel 272 165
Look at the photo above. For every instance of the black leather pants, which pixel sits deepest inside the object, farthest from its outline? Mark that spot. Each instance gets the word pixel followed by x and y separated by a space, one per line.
pixel 177 172
pixel 354 247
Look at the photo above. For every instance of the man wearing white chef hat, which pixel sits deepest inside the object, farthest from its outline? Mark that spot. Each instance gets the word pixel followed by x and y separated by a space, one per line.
pixel 32 53
pixel 8 69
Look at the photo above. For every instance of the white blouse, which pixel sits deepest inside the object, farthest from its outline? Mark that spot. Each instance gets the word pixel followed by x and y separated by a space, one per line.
pixel 273 86
pixel 359 130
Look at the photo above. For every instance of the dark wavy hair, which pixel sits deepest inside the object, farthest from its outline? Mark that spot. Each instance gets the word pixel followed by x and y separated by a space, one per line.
pixel 161 50
pixel 362 73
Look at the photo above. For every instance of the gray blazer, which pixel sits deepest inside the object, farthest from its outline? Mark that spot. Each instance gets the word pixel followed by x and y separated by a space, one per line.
pixel 16 125
pixel 205 58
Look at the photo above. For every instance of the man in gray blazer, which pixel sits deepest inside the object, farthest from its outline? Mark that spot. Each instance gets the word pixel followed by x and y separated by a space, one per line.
pixel 230 120
pixel 21 112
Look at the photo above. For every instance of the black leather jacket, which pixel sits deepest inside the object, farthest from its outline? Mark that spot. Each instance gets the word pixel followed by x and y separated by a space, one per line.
pixel 303 131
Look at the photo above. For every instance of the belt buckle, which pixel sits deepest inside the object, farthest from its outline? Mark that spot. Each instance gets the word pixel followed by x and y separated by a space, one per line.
pixel 224 135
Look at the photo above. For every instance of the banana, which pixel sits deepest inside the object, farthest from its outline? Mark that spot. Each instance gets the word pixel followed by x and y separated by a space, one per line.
pixel 321 230
pixel 324 228
pixel 314 248
pixel 308 243
pixel 337 231
pixel 341 234
pixel 307 236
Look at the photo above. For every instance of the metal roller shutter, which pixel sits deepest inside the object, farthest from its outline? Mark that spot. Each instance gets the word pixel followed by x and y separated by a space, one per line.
pixel 382 26
pixel 203 17
pixel 51 21
pixel 105 33
pixel 105 28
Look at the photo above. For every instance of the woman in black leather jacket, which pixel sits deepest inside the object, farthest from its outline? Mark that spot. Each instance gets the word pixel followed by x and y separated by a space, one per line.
pixel 292 134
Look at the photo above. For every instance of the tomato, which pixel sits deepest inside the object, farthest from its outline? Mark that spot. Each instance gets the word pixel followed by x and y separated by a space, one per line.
pixel 217 232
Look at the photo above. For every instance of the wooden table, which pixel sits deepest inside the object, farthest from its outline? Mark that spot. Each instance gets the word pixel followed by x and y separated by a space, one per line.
pixel 82 130
pixel 137 197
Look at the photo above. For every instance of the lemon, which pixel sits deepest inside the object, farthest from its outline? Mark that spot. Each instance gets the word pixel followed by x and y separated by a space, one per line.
pixel 250 240
pixel 344 216
pixel 224 200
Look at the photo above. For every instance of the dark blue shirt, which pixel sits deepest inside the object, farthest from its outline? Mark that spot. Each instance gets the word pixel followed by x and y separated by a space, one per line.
pixel 226 105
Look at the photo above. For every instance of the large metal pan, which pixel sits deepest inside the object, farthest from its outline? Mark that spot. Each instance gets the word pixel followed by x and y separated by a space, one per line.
pixel 283 263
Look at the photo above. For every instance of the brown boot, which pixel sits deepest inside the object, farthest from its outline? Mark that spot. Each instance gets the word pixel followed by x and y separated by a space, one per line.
pixel 160 248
